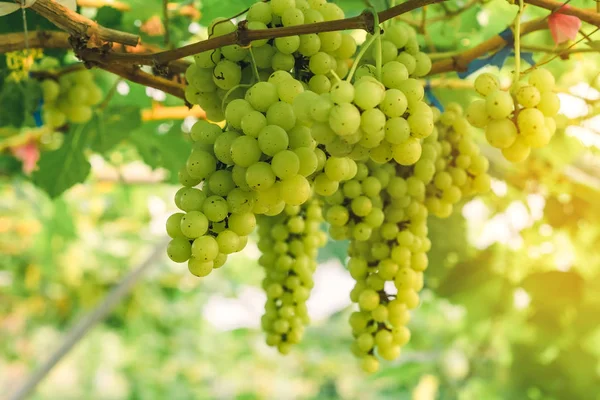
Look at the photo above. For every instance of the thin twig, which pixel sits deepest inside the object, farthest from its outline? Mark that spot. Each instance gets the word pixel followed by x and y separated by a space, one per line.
pixel 165 11
pixel 88 322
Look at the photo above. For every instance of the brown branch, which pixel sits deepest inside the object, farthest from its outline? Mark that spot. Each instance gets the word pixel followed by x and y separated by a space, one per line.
pixel 461 61
pixel 587 15
pixel 244 36
pixel 135 74
pixel 79 26
pixel 38 39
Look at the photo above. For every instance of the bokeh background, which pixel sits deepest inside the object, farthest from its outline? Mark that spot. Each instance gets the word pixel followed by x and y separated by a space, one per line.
pixel 510 309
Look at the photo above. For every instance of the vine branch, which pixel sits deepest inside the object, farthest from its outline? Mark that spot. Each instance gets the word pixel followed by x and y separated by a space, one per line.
pixel 78 25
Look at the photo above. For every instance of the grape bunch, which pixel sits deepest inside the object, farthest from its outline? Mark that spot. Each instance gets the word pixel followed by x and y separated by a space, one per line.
pixel 369 118
pixel 221 75
pixel 70 98
pixel 388 268
pixel 289 243
pixel 519 120
pixel 452 156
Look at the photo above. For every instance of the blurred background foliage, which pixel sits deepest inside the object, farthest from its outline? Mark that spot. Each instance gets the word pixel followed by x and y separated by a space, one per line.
pixel 511 305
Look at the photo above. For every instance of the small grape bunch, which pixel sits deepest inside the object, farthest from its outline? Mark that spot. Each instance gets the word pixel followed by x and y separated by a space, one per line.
pixel 519 120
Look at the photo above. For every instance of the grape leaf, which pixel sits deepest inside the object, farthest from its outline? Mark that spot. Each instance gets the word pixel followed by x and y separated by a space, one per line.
pixel 167 150
pixel 60 169
pixel 109 17
pixel 107 129
pixel 212 9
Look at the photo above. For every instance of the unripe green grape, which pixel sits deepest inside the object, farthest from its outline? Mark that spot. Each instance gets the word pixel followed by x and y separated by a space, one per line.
pixel 331 12
pixel 486 83
pixel 282 61
pixel 285 164
pixel 320 63
pixel 300 136
pixel 205 132
pixel 528 96
pixel 179 250
pixel 308 161
pixel 289 90
pixel 185 179
pixel 205 248
pixel 221 183
pixel 369 364
pixel 539 138
pixel 413 90
pixel 245 151
pixel 240 201
pixel 421 125
pixel 531 121
pixel 200 268
pixel 220 27
pixel 278 7
pixel 477 114
pixel 287 44
pixel 253 122
pixel 368 300
pixel 236 110
pixel 347 48
pixel 222 146
pixel 542 79
pixel 407 153
pixel 292 17
pixel 501 133
pixel 394 103
pixel 260 176
pixel 368 93
pixel 499 104
pixel 397 130
pixel 344 119
pixel 295 190
pixel 260 12
pixel 321 108
pixel 342 92
pixel 174 225
pixel 281 114
pixel 228 241
pixel 227 74
pixel 518 151
pixel 319 84
pixel 262 95
pixel 215 208
pixel 272 139
pixel 194 224
pixel 325 186
pixel 423 65
pixel 549 103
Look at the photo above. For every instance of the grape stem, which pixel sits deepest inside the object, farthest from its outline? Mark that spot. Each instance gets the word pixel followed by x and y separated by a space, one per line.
pixel 359 56
pixel 517 45
pixel 378 55
pixel 254 68
pixel 231 91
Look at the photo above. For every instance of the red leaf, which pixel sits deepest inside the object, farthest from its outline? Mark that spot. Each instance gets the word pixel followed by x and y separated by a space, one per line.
pixel 563 27
pixel 29 154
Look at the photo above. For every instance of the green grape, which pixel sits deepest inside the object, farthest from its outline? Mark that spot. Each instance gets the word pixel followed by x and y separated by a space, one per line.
pixel 347 48
pixel 296 190
pixel 531 121
pixel 499 104
pixel 310 44
pixel 185 179
pixel 201 164
pixel 260 176
pixel 287 44
pixel 245 151
pixel 408 61
pixel 194 224
pixel 221 182
pixel 236 110
pixel 253 122
pixel 301 136
pixel 308 161
pixel 285 164
pixel 260 12
pixel 320 63
pixel 289 90
pixel 272 139
pixel 397 130
pixel 278 7
pixel 331 12
pixel 541 79
pixel 342 92
pixel 215 208
pixel 477 114
pixel 485 84
pixel 393 74
pixel 200 268
pixel 189 199
pixel 292 17
pixel 220 27
pixel 222 146
pixel 549 103
pixel 413 90
pixel 207 59
pixel 227 74
pixel 240 201
pixel 518 151
pixel 344 119
pixel 423 65
pixel 281 114
pixel 282 61
pixel 174 226
pixel 394 103
pixel 179 250
pixel 319 84
pixel 262 95
pixel 205 248
pixel 407 153
pixel 330 41
pixel 368 93
pixel 528 96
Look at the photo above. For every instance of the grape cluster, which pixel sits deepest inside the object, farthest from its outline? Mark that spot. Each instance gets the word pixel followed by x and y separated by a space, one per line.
pixel 221 75
pixel 70 98
pixel 217 218
pixel 388 268
pixel 452 156
pixel 380 120
pixel 519 120
pixel 289 243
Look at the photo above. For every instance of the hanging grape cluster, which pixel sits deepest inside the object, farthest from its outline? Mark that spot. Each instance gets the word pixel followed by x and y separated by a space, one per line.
pixel 518 120
pixel 69 98
pixel 320 132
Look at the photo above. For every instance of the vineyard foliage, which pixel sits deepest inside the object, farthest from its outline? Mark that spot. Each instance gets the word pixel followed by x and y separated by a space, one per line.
pixel 487 187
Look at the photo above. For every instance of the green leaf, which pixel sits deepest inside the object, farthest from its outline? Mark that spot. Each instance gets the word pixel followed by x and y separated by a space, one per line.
pixel 212 9
pixel 19 100
pixel 107 129
pixel 109 17
pixel 60 169
pixel 167 150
